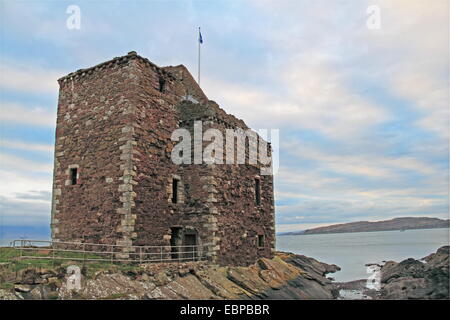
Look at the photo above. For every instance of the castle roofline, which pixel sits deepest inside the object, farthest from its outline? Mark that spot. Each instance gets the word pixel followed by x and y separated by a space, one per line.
pixel 110 63
pixel 178 73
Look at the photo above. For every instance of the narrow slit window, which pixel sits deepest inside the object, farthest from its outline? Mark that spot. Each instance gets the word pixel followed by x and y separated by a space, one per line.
pixel 257 192
pixel 162 83
pixel 174 191
pixel 260 241
pixel 73 176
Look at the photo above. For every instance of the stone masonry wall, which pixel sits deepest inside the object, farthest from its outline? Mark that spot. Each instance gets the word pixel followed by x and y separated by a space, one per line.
pixel 235 220
pixel 155 121
pixel 92 127
pixel 240 220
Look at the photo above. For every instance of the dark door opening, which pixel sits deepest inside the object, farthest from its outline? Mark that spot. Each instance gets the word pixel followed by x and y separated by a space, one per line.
pixel 175 242
pixel 190 246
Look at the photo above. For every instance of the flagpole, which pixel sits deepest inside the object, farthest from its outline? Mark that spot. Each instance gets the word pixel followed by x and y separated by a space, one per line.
pixel 198 74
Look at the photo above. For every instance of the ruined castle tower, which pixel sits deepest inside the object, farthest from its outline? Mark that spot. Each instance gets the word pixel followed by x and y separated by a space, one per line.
pixel 114 179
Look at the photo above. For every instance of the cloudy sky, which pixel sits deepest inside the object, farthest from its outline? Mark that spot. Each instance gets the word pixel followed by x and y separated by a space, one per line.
pixel 362 111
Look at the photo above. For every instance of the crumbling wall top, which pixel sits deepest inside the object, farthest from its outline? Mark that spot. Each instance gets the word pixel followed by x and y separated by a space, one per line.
pixel 117 61
pixel 195 105
pixel 187 83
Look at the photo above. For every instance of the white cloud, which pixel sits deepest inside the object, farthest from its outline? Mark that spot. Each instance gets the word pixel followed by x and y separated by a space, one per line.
pixel 24 78
pixel 366 164
pixel 327 104
pixel 307 79
pixel 24 212
pixel 22 145
pixel 300 226
pixel 411 55
pixel 24 192
pixel 18 113
pixel 315 98
pixel 11 163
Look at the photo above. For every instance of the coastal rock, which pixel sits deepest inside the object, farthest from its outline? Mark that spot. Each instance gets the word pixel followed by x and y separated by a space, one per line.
pixel 107 286
pixel 39 292
pixel 314 269
pixel 311 282
pixel 161 279
pixel 7 295
pixel 286 276
pixel 440 259
pixel 414 279
pixel 411 268
pixel 29 276
pixel 22 288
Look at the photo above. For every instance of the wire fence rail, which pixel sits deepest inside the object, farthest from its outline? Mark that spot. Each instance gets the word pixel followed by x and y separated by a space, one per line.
pixel 92 252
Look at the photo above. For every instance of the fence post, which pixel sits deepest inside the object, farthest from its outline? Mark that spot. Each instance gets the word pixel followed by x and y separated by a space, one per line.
pixel 84 252
pixel 53 253
pixel 112 254
pixel 21 249
pixel 161 253
pixel 140 255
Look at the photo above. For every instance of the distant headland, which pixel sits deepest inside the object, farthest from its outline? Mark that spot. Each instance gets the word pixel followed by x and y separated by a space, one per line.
pixel 406 223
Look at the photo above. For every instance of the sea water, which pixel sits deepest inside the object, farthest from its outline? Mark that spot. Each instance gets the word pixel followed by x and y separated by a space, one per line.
pixel 352 251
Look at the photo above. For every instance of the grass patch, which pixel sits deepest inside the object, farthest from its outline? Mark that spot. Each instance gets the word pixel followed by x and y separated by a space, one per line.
pixel 8 254
pixel 6 285
pixel 43 258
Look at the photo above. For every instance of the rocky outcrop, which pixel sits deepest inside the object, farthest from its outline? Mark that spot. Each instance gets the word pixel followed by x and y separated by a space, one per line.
pixel 7 295
pixel 286 276
pixel 417 279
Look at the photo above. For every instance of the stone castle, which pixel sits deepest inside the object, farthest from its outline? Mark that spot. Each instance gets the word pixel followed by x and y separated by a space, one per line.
pixel 115 182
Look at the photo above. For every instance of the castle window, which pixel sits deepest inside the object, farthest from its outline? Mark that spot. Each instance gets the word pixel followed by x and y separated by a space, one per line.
pixel 73 176
pixel 257 191
pixel 260 241
pixel 162 84
pixel 175 190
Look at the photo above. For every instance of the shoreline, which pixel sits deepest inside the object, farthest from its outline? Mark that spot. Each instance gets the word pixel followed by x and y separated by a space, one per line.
pixel 424 278
pixel 355 290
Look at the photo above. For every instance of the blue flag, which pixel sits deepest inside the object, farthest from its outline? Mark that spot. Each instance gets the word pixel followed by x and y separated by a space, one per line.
pixel 200 39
